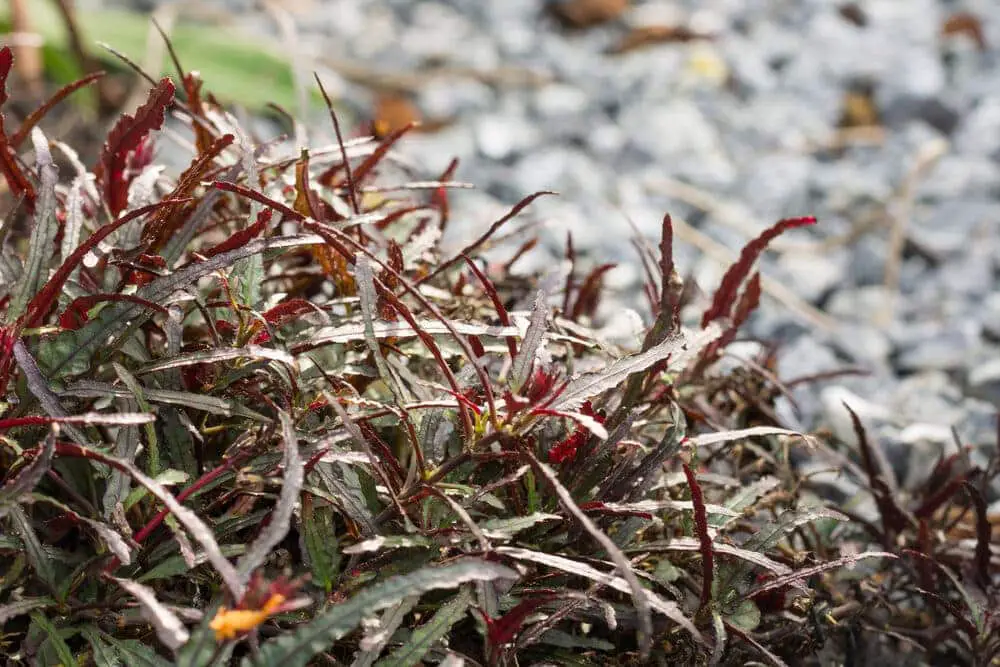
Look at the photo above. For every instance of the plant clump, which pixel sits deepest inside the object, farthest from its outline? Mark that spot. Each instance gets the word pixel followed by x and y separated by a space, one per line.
pixel 256 414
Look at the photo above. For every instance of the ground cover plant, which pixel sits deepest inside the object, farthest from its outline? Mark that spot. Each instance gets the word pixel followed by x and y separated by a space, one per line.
pixel 256 415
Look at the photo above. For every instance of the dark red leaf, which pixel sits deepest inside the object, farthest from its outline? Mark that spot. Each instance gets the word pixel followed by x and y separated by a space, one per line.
pixel 352 182
pixel 126 136
pixel 725 296
pixel 388 278
pixel 167 220
pixel 439 198
pixel 705 540
pixel 16 180
pixel 589 295
pixel 983 535
pixel 144 269
pixel 670 284
pixel 747 304
pixel 491 292
pixel 520 252
pixel 192 89
pixel 502 630
pixel 893 517
pixel 243 236
pixel 396 215
pixel 282 314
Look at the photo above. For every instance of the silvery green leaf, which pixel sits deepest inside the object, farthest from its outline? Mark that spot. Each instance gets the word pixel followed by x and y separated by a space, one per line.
pixel 533 338
pixel 507 528
pixel 169 628
pixel 679 350
pixel 281 516
pixel 43 230
pixel 423 639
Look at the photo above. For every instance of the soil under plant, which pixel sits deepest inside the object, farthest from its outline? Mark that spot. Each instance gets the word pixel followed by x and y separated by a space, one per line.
pixel 258 415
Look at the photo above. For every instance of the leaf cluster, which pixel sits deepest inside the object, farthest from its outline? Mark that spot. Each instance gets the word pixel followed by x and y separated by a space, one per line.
pixel 259 415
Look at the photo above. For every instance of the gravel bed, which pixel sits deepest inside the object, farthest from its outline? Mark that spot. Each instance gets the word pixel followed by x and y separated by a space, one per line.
pixel 729 134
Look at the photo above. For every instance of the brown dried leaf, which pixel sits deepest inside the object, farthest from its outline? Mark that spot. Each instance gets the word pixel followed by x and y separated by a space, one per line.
pixel 968 24
pixel 587 13
pixel 651 35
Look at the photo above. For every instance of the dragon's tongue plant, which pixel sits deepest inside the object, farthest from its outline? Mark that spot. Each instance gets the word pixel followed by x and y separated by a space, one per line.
pixel 221 443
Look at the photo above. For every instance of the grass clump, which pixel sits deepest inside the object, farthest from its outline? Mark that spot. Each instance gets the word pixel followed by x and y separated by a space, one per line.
pixel 256 415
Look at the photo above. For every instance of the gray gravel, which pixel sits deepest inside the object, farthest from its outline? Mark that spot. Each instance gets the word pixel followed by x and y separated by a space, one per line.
pixel 749 120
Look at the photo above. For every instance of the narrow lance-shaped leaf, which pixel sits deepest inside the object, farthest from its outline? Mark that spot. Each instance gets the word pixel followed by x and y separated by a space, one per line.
pixel 249 272
pixel 136 654
pixel 169 628
pixel 491 292
pixel 365 279
pixel 166 219
pixel 377 636
pixel 16 180
pixel 21 607
pixel 210 404
pixel 33 118
pixel 704 539
pixel 725 296
pixel 110 538
pixel 680 350
pixel 493 229
pixel 806 572
pixel 219 354
pixel 152 440
pixel 105 419
pixel 75 315
pixel 74 221
pixel 103 654
pixel 43 231
pixel 54 639
pixel 319 542
pixel 739 434
pixel 771 534
pixel 39 388
pixel 178 243
pixel 281 517
pixel 42 301
pixel 36 556
pixel 125 137
pixel 533 338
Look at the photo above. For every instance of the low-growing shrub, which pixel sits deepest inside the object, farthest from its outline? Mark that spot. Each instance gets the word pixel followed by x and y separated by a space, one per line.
pixel 257 415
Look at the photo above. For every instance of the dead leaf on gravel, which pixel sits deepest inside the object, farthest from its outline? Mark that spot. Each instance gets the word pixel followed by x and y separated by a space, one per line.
pixel 587 13
pixel 393 112
pixel 964 23
pixel 651 35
